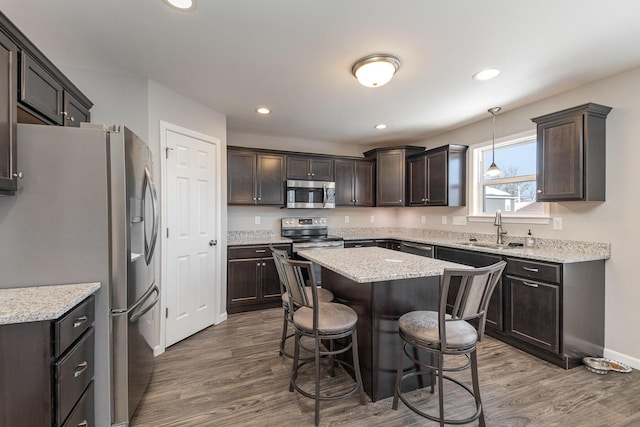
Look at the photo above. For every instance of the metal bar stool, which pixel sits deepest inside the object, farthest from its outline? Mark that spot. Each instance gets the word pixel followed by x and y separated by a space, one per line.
pixel 323 322
pixel 324 295
pixel 440 333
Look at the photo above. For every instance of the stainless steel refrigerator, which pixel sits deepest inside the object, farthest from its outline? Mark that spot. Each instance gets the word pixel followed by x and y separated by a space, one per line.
pixel 87 210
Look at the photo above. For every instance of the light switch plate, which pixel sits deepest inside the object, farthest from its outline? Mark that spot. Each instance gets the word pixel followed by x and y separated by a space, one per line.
pixel 423 219
pixel 557 223
pixel 444 219
pixel 346 219
pixel 257 220
pixel 373 219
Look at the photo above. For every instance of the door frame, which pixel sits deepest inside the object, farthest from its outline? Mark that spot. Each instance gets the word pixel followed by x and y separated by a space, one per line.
pixel 220 314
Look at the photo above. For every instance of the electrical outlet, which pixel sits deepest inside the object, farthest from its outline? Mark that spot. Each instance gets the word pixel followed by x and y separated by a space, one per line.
pixel 444 220
pixel 257 220
pixel 557 223
pixel 346 219
pixel 373 219
pixel 423 219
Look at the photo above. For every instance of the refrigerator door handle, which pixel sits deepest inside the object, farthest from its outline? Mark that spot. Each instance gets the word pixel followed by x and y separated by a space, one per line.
pixel 150 245
pixel 119 312
pixel 135 316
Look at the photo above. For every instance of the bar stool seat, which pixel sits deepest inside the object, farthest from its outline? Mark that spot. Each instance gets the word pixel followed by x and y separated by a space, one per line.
pixel 334 318
pixel 422 327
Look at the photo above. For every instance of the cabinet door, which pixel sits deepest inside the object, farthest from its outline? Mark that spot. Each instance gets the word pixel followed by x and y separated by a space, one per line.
pixel 390 178
pixel 534 309
pixel 8 100
pixel 495 317
pixel 321 169
pixel 73 111
pixel 243 281
pixel 417 181
pixel 560 166
pixel 39 91
pixel 270 281
pixel 298 168
pixel 241 178
pixel 364 179
pixel 345 182
pixel 437 183
pixel 270 179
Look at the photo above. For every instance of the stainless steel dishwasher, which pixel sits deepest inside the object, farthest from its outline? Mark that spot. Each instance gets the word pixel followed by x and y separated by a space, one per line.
pixel 417 249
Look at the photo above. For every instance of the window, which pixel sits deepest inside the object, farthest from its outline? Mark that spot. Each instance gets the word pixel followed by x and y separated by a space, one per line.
pixel 514 190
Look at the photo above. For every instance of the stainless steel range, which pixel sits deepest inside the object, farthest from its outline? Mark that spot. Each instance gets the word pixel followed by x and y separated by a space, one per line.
pixel 310 233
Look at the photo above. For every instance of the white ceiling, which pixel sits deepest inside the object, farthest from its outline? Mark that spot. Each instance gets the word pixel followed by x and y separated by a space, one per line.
pixel 295 56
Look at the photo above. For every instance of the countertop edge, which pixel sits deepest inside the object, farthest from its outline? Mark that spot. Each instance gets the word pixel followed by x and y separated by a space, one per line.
pixel 42 303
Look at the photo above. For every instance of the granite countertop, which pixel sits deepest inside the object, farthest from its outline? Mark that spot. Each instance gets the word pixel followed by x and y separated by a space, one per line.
pixel 41 303
pixel 374 264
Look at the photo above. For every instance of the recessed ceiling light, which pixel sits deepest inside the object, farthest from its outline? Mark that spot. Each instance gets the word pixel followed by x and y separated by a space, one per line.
pixel 184 5
pixel 487 74
pixel 380 126
pixel 263 110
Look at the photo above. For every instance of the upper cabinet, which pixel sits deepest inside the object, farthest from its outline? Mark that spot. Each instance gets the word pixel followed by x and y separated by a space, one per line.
pixel 255 178
pixel 390 173
pixel 571 154
pixel 32 90
pixel 8 98
pixel 310 168
pixel 355 182
pixel 437 177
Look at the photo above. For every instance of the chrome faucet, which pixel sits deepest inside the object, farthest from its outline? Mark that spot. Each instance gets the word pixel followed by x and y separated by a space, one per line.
pixel 498 223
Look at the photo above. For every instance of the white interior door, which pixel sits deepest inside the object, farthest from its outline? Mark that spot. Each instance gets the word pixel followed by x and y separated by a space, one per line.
pixel 192 254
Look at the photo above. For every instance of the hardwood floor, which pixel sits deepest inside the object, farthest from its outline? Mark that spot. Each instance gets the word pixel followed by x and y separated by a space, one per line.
pixel 231 375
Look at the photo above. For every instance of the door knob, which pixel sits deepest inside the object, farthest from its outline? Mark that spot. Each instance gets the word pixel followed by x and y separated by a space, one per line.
pixel 213 242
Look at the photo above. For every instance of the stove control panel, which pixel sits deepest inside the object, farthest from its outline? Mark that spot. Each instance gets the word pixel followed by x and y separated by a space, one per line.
pixel 307 222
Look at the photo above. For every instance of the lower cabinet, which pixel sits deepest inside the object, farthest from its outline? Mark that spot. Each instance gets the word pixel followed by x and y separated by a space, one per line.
pixel 395 245
pixel 495 316
pixel 47 370
pixel 252 278
pixel 359 243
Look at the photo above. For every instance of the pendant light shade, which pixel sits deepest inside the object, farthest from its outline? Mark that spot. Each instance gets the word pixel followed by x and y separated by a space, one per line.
pixel 375 70
pixel 493 170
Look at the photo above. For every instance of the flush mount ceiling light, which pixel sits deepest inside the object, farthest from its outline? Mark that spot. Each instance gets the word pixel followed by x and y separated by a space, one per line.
pixel 380 126
pixel 487 74
pixel 184 5
pixel 375 70
pixel 263 110
pixel 493 170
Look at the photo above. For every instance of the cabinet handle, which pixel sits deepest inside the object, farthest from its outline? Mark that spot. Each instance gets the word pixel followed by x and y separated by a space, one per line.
pixel 308 173
pixel 400 201
pixel 254 199
pixel 539 191
pixel 79 321
pixel 18 175
pixel 357 200
pixel 264 264
pixel 259 198
pixel 261 251
pixel 83 423
pixel 313 174
pixel 534 270
pixel 80 368
pixel 531 285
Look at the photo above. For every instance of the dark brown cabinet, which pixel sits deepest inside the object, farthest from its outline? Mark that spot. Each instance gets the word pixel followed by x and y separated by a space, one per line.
pixel 255 178
pixel 495 315
pixel 8 111
pixel 354 182
pixel 359 243
pixel 438 177
pixel 390 173
pixel 571 154
pixel 39 91
pixel 394 245
pixel 47 370
pixel 252 278
pixel 310 168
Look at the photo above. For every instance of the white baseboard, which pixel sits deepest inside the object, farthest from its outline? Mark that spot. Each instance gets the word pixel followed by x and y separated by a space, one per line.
pixel 634 362
pixel 221 318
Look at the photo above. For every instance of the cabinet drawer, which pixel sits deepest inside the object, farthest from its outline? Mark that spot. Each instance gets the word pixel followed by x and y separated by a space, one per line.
pixel 83 414
pixel 262 251
pixel 534 270
pixel 73 373
pixel 73 324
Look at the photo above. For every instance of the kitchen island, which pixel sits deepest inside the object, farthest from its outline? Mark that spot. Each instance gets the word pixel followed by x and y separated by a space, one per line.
pixel 380 285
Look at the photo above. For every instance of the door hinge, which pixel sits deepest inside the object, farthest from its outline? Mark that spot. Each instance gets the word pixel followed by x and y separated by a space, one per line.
pixel 166 312
pixel 166 152
pixel 167 232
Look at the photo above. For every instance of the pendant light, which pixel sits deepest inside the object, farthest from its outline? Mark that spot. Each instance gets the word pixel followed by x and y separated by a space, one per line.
pixel 493 170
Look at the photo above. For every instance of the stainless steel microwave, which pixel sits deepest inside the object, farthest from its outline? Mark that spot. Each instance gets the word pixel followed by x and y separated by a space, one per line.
pixel 311 194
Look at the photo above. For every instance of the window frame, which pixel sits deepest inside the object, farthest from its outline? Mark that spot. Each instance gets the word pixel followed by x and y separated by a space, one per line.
pixel 476 172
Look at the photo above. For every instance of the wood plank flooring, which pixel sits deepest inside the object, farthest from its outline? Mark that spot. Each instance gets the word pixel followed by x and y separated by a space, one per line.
pixel 231 375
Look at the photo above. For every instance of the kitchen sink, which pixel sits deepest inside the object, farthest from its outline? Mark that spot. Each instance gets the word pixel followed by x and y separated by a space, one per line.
pixel 487 245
